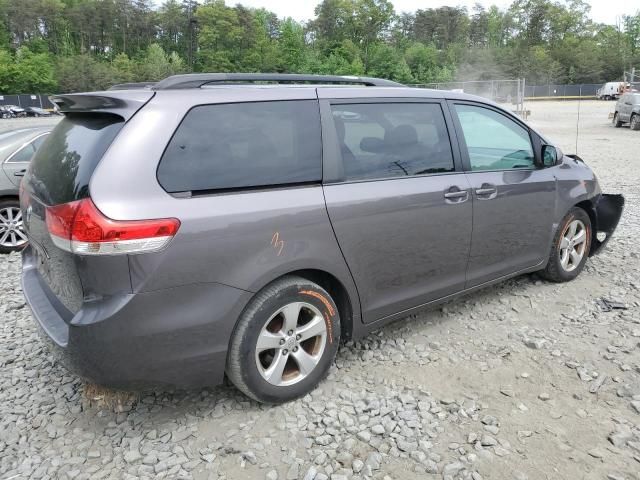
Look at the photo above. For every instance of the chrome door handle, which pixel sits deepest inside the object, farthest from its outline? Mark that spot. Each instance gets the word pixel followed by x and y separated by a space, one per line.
pixel 460 194
pixel 454 195
pixel 485 191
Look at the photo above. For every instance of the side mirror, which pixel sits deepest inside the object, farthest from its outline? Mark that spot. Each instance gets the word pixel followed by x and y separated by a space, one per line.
pixel 372 145
pixel 550 155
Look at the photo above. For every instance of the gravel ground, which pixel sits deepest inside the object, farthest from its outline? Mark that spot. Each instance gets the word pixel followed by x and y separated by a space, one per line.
pixel 526 380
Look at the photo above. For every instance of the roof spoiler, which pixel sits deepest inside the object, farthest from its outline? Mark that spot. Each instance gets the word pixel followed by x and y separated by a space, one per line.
pixel 197 80
pixel 124 103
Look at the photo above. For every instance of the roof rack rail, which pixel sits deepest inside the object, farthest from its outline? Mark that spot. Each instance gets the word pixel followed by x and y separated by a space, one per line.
pixel 132 86
pixel 197 80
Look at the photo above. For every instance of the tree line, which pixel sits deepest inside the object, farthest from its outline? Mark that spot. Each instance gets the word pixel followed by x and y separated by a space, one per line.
pixel 79 45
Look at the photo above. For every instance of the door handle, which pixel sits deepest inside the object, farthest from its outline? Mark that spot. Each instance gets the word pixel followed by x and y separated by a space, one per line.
pixel 485 191
pixel 455 195
pixel 20 173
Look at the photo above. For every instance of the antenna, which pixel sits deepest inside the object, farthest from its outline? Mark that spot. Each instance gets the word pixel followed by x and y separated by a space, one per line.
pixel 578 119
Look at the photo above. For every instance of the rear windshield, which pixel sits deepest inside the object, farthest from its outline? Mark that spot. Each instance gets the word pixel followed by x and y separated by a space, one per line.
pixel 62 167
pixel 244 145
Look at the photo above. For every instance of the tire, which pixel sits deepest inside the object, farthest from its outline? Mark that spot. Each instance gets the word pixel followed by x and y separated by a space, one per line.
pixel 10 221
pixel 248 368
pixel 634 124
pixel 563 265
pixel 616 122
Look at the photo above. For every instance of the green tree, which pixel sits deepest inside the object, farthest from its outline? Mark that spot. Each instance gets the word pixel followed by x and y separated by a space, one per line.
pixel 219 36
pixel 292 46
pixel 156 65
pixel 32 72
pixel 81 73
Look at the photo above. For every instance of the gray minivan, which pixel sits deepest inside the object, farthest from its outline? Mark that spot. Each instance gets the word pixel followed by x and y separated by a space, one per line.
pixel 245 224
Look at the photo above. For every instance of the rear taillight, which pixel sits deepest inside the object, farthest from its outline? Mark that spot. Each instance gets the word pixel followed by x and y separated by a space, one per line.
pixel 81 228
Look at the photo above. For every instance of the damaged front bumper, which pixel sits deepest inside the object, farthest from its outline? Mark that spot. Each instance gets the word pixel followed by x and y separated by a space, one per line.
pixel 608 210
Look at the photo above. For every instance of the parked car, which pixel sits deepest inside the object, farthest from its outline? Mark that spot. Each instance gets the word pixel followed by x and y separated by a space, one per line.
pixel 37 112
pixel 628 111
pixel 16 149
pixel 16 110
pixel 6 112
pixel 212 226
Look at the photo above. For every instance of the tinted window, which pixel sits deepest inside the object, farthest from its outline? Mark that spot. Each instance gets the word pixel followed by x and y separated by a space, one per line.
pixel 39 141
pixel 24 154
pixel 494 141
pixel 385 140
pixel 61 169
pixel 244 145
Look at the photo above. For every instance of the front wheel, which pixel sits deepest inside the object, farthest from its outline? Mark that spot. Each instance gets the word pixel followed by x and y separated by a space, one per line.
pixel 285 341
pixel 12 234
pixel 634 124
pixel 616 120
pixel 571 246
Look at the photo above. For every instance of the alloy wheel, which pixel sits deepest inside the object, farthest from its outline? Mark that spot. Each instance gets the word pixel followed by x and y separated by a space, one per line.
pixel 573 245
pixel 291 344
pixel 12 233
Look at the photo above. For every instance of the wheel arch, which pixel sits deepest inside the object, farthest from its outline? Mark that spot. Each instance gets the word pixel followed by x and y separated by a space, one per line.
pixel 590 208
pixel 338 292
pixel 346 300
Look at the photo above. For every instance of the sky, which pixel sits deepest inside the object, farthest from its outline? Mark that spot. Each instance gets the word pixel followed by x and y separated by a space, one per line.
pixel 603 11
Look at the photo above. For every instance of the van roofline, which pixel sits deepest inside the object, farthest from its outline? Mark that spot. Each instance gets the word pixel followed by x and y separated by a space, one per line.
pixel 197 80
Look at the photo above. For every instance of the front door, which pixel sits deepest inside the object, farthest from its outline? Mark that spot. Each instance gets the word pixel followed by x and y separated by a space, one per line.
pixel 400 208
pixel 513 199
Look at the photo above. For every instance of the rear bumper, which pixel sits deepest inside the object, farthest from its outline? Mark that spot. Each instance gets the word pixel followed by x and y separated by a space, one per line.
pixel 176 337
pixel 608 210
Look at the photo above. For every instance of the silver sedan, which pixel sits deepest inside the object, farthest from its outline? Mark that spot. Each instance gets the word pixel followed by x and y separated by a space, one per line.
pixel 16 149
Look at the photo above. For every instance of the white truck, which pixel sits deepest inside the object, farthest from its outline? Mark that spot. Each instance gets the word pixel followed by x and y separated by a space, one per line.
pixel 611 90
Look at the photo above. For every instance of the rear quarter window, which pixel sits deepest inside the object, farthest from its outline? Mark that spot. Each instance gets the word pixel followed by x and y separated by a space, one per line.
pixel 244 145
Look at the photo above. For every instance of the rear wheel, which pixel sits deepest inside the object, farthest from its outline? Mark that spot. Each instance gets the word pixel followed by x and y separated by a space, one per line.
pixel 571 246
pixel 635 122
pixel 616 120
pixel 12 235
pixel 285 341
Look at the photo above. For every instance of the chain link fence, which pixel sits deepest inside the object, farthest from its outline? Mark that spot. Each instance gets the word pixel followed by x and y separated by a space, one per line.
pixel 509 92
pixel 27 100
pixel 566 92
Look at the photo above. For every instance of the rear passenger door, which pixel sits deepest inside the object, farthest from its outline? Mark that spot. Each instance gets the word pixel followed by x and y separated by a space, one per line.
pixel 397 199
pixel 16 165
pixel 513 199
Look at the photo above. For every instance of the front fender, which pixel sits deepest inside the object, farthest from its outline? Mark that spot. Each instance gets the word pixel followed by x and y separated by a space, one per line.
pixel 608 210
